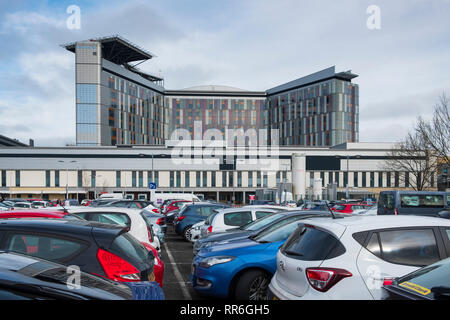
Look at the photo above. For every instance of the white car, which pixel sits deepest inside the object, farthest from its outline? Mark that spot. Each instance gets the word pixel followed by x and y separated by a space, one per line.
pixel 122 216
pixel 22 205
pixel 232 218
pixel 40 204
pixel 372 211
pixel 266 206
pixel 348 258
pixel 196 231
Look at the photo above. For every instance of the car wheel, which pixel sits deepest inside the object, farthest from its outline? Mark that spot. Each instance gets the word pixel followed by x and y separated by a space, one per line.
pixel 252 285
pixel 187 233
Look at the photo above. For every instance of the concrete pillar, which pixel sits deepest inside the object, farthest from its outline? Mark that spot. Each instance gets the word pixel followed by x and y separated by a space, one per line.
pixel 299 175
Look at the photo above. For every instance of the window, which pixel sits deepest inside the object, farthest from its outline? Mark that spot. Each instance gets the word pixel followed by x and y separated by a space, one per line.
pixel 345 178
pixel 118 179
pixel 364 179
pixel 388 179
pixel 186 179
pixel 374 245
pixel 396 179
pixel 380 179
pixel 312 245
pixel 421 201
pixel 239 179
pixel 197 176
pixel 45 247
pixel 258 178
pixel 3 178
pixel 178 178
pixel 406 179
pixel 141 179
pixel 86 93
pixel 282 232
pixel 372 179
pixel 17 178
pixel 262 214
pixel 387 200
pixel 213 179
pixel 47 178
pixel 57 178
pixel 237 218
pixel 265 180
pixel 111 218
pixel 133 178
pixel 204 211
pixel 205 179
pixel 355 179
pixel 250 178
pixel 409 247
pixel 93 178
pixel 80 178
pixel 126 245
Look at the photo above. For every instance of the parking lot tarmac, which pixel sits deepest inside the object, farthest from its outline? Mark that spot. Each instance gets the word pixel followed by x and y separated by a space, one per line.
pixel 177 257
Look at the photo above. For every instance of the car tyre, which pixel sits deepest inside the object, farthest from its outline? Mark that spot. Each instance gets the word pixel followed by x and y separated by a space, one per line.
pixel 252 285
pixel 187 233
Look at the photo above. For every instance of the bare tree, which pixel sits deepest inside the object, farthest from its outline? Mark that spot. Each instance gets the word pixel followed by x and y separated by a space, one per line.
pixel 410 157
pixel 436 132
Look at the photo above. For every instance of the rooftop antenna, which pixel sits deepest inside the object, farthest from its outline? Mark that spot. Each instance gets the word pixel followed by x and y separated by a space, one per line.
pixel 331 211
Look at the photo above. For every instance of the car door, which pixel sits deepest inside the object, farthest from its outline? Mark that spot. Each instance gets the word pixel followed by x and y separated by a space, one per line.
pixel 391 253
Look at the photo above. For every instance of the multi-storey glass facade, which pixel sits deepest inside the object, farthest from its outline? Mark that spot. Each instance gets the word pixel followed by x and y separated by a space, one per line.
pixel 321 114
pixel 217 113
pixel 119 104
pixel 136 114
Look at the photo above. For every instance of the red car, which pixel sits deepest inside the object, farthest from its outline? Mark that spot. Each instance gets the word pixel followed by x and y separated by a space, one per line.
pixel 158 268
pixel 349 207
pixel 175 205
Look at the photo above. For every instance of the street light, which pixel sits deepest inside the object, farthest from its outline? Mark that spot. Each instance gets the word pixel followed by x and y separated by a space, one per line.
pixel 67 176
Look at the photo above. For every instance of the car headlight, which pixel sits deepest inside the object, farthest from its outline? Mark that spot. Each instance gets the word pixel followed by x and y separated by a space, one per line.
pixel 212 261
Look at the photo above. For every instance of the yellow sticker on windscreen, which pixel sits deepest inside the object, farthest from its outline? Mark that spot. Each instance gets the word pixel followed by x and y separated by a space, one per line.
pixel 415 287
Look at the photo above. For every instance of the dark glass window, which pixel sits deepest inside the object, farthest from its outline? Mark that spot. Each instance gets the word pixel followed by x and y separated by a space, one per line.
pixel 3 178
pixel 312 245
pixel 133 178
pixel 406 179
pixel 237 218
pixel 372 179
pixel 118 183
pixel 47 178
pixel 205 178
pixel 197 176
pixel 409 247
pixel 421 201
pixel 17 178
pixel 250 178
pixel 230 179
pixel 345 178
pixel 262 214
pixel 364 179
pixel 45 247
pixel 213 179
pixel 141 179
pixel 388 179
pixel 80 178
pixel 397 179
pixel 93 180
pixel 355 179
pixel 172 178
pixel 186 179
pixel 57 178
pixel 380 179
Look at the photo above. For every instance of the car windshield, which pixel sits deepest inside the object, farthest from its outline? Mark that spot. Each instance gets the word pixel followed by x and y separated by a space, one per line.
pixel 280 233
pixel 431 281
pixel 261 223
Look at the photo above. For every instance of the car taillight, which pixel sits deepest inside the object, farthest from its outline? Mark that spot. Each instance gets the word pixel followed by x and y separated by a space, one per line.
pixel 117 268
pixel 181 218
pixel 160 221
pixel 155 210
pixel 322 279
pixel 387 281
pixel 395 212
pixel 209 229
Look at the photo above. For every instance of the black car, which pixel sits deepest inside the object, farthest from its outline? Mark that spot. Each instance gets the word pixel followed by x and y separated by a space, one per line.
pixel 101 249
pixel 255 227
pixel 29 278
pixel 428 283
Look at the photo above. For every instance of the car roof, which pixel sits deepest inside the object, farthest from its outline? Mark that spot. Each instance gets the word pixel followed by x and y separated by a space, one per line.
pixel 130 211
pixel 228 210
pixel 355 223
pixel 48 213
pixel 61 226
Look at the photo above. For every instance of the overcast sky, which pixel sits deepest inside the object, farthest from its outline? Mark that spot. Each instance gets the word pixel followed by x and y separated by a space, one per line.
pixel 403 67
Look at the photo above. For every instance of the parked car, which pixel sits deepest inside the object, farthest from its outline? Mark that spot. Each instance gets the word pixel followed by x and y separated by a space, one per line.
pixel 40 204
pixel 254 228
pixel 196 230
pixel 348 258
pixel 170 217
pixel 48 281
pixel 231 218
pixel 262 202
pixel 191 214
pixel 132 204
pixel 240 269
pixel 350 208
pixel 101 249
pixel 130 218
pixel 428 283
pixel 173 205
pixel 424 203
pixel 5 207
pixel 158 220
pixel 22 205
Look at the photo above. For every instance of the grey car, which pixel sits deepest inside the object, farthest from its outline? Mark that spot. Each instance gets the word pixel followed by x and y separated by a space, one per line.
pixel 158 220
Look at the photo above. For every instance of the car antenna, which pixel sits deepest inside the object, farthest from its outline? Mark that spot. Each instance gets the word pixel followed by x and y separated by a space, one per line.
pixel 331 211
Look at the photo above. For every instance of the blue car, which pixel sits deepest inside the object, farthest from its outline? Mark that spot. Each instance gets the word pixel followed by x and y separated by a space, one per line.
pixel 240 269
pixel 192 214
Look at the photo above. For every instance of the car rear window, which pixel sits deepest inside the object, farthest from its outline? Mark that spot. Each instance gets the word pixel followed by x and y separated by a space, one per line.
pixel 262 214
pixel 44 247
pixel 421 201
pixel 312 244
pixel 127 246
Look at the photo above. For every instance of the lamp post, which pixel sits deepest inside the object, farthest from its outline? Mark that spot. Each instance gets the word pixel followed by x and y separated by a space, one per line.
pixel 67 176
